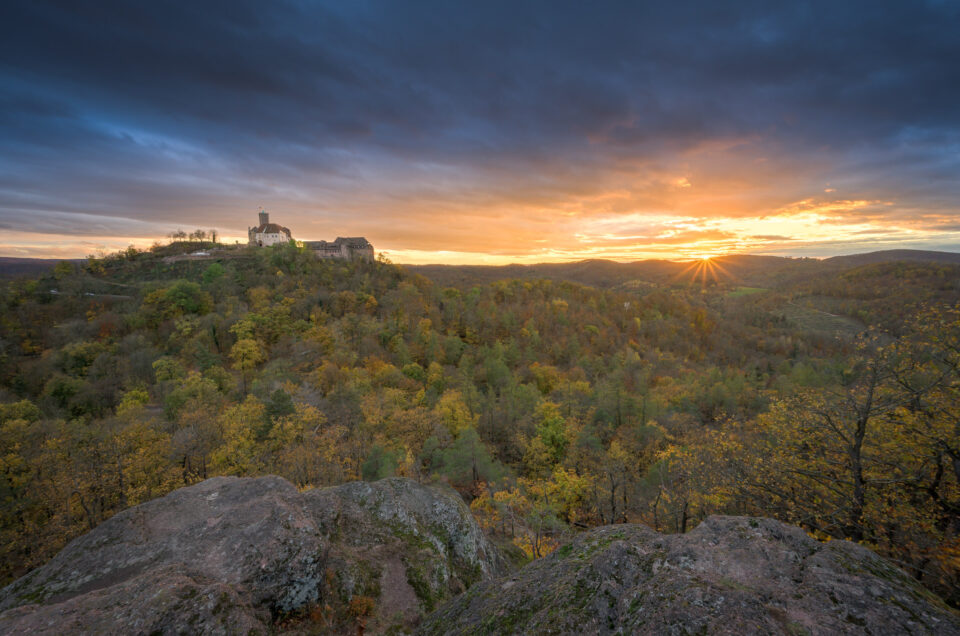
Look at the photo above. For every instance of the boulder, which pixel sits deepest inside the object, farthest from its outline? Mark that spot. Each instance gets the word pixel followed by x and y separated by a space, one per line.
pixel 232 555
pixel 730 575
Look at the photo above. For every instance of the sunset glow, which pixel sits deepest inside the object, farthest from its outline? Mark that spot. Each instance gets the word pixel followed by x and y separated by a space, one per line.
pixel 440 146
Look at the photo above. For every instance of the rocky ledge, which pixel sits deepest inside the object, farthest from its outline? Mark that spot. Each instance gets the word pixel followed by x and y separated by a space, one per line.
pixel 241 556
pixel 731 575
pixel 255 556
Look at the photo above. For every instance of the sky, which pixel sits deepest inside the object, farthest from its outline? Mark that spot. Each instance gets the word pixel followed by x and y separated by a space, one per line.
pixel 484 132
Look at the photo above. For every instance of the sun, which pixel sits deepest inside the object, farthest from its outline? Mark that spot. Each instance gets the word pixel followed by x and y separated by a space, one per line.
pixel 703 267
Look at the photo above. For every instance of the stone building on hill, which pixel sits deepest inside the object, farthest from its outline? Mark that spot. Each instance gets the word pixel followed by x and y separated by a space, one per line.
pixel 355 247
pixel 268 233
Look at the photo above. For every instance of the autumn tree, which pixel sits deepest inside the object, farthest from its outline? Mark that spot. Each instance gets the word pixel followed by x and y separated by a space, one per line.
pixel 246 355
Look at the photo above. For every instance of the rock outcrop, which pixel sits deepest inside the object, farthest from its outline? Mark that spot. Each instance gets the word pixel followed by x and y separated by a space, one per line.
pixel 239 556
pixel 731 575
pixel 246 556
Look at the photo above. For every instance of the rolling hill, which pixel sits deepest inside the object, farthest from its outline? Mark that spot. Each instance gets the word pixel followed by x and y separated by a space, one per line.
pixel 738 269
pixel 888 256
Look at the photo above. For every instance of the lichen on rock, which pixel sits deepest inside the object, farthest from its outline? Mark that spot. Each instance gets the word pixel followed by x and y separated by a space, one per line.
pixel 232 555
pixel 730 575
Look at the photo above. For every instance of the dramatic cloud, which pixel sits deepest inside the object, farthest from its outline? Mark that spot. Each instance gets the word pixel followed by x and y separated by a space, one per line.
pixel 493 131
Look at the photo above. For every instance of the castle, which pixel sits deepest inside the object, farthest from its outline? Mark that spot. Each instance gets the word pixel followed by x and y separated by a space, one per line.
pixel 351 247
pixel 268 233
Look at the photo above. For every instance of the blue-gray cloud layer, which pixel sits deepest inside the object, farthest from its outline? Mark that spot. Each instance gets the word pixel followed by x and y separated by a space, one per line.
pixel 160 111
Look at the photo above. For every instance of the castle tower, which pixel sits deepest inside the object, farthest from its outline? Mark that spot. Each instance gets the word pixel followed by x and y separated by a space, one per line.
pixel 264 217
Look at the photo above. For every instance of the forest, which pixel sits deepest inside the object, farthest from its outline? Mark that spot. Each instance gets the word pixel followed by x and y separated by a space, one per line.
pixel 824 396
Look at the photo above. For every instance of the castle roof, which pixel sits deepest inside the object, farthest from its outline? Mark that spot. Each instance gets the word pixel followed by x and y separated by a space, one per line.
pixel 353 241
pixel 271 228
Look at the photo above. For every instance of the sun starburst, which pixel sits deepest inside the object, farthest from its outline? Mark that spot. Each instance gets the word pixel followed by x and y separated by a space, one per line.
pixel 702 269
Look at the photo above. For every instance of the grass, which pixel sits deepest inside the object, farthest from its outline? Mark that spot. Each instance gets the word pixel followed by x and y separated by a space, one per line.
pixel 809 319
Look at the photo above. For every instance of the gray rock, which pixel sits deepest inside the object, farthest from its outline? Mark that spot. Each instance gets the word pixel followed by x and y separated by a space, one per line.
pixel 731 575
pixel 164 600
pixel 234 555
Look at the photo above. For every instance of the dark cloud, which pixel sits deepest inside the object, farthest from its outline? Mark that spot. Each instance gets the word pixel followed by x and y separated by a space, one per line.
pixel 376 113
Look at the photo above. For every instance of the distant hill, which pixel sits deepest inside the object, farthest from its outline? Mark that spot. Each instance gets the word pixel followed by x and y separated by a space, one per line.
pixel 595 273
pixel 888 256
pixel 739 269
pixel 14 266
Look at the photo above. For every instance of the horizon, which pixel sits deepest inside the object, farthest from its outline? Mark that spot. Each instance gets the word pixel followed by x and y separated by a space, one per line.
pixel 86 249
pixel 445 263
pixel 487 134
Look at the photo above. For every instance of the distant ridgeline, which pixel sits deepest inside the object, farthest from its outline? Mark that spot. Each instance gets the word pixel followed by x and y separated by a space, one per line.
pixel 267 233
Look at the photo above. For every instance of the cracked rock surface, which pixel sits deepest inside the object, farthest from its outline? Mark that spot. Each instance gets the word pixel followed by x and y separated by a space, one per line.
pixel 730 575
pixel 239 556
